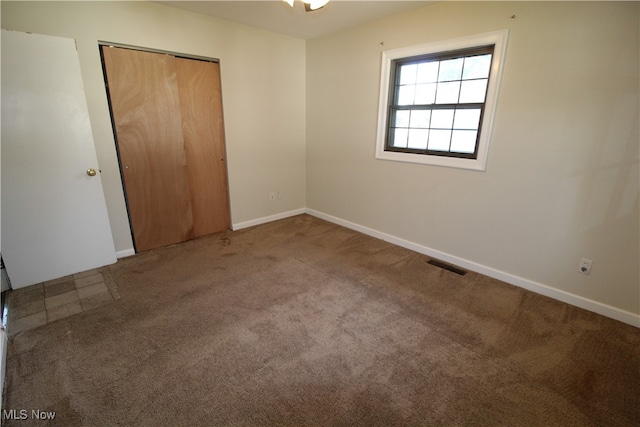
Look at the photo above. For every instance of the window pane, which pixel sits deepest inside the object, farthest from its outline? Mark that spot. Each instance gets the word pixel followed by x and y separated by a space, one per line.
pixel 467 118
pixel 402 118
pixel 418 138
pixel 451 69
pixel 442 119
pixel 425 94
pixel 427 72
pixel 473 90
pixel 408 74
pixel 464 141
pixel 406 95
pixel 477 67
pixel 448 93
pixel 439 140
pixel 420 119
pixel 400 138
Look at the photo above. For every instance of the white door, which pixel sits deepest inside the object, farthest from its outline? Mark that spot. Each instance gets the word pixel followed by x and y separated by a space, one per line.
pixel 54 216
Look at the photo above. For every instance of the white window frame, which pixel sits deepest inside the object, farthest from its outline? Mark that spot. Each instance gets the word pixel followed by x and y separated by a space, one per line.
pixel 497 38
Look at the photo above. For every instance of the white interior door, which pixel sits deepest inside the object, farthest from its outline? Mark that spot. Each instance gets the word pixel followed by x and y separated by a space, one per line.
pixel 54 216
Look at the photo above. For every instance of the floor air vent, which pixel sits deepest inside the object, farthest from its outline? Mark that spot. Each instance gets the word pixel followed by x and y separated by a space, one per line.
pixel 448 267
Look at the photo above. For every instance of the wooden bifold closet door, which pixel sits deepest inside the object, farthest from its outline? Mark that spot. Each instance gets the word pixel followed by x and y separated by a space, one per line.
pixel 167 114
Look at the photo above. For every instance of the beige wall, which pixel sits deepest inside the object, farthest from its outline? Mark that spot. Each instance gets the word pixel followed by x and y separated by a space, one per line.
pixel 263 85
pixel 562 176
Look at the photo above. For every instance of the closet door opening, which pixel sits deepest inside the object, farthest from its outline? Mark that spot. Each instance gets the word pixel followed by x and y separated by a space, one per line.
pixel 168 123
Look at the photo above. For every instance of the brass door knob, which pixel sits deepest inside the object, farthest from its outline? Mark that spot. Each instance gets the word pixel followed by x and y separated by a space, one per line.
pixel 91 172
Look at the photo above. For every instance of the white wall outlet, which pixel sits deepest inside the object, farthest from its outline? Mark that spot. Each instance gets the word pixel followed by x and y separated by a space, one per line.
pixel 585 266
pixel 272 196
pixel 281 194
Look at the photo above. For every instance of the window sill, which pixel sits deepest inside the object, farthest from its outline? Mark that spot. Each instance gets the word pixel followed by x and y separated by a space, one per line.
pixel 478 164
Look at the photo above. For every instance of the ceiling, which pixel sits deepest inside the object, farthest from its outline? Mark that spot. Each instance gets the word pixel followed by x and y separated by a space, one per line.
pixel 279 17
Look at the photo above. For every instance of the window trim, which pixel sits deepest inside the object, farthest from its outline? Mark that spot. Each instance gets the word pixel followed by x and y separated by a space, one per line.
pixel 496 38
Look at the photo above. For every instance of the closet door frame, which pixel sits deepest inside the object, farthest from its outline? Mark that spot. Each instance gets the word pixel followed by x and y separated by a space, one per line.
pixel 179 55
pixel 102 43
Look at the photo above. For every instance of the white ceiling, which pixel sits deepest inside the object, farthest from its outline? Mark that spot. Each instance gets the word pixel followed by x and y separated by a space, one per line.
pixel 278 16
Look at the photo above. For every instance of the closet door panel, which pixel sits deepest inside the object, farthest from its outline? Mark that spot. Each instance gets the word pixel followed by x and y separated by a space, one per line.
pixel 204 144
pixel 145 107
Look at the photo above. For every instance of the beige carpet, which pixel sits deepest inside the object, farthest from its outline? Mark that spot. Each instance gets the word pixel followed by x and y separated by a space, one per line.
pixel 303 323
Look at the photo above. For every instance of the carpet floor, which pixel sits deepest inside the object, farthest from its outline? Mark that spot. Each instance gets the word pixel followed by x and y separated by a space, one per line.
pixel 301 322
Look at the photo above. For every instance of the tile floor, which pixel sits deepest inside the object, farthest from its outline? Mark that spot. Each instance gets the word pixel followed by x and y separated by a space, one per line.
pixel 47 302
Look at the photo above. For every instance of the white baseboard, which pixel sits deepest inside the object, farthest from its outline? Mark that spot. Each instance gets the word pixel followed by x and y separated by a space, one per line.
pixel 266 219
pixel 235 227
pixel 125 253
pixel 566 297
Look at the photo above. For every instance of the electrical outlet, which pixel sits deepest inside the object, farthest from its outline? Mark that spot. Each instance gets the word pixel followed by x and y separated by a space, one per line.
pixel 272 196
pixel 281 194
pixel 585 266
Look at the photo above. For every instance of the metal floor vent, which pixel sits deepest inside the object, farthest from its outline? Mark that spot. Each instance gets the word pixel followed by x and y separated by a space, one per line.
pixel 457 270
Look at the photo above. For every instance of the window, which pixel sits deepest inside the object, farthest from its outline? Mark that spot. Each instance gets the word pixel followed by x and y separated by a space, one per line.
pixel 437 101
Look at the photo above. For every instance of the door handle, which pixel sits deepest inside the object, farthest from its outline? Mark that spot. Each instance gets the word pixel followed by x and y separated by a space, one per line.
pixel 91 172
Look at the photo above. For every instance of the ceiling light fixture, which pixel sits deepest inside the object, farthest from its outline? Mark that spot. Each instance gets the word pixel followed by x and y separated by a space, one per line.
pixel 310 5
